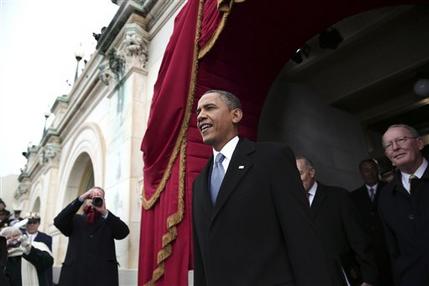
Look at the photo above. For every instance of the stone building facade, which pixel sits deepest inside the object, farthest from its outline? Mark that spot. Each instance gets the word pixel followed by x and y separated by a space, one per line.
pixel 96 131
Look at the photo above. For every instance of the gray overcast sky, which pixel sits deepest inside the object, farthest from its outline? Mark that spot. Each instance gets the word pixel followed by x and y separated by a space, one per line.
pixel 38 39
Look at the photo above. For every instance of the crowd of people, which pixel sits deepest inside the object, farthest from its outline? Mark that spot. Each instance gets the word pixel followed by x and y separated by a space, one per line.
pixel 26 253
pixel 259 220
pixel 260 217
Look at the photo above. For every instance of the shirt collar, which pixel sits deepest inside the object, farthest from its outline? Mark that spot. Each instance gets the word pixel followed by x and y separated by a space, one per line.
pixel 374 187
pixel 419 172
pixel 312 190
pixel 228 148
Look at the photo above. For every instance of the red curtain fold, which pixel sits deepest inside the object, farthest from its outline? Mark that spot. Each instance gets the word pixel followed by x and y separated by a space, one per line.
pixel 210 22
pixel 255 43
pixel 165 121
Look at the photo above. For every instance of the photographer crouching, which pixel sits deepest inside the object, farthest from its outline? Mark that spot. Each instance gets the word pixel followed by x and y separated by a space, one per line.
pixel 26 261
pixel 91 255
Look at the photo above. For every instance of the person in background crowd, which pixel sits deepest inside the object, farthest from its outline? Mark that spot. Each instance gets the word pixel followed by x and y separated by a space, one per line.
pixel 252 225
pixel 403 206
pixel 27 261
pixel 15 218
pixel 4 280
pixel 33 233
pixel 4 218
pixel 340 228
pixel 91 256
pixel 366 201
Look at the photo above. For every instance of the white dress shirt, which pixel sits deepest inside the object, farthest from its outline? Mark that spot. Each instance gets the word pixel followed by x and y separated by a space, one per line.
pixel 311 193
pixel 227 152
pixel 418 173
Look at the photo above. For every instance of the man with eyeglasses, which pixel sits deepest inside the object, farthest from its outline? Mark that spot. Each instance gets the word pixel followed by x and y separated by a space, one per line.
pixel 404 206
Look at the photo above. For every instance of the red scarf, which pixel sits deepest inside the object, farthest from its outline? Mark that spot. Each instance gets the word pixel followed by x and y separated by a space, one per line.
pixel 91 214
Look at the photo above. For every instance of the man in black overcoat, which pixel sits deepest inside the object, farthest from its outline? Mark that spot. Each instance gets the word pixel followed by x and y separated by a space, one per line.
pixel 340 228
pixel 366 201
pixel 251 221
pixel 91 256
pixel 404 206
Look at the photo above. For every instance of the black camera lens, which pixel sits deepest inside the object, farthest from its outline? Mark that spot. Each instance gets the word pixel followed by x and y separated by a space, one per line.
pixel 97 201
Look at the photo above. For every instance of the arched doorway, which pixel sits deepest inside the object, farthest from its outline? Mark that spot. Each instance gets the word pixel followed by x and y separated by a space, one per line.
pixel 81 178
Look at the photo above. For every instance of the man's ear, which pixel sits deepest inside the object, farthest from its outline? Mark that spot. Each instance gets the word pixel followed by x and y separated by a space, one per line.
pixel 312 173
pixel 420 143
pixel 237 115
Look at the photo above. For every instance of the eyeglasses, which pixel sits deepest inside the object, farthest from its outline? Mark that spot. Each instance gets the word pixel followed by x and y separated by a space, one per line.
pixel 399 141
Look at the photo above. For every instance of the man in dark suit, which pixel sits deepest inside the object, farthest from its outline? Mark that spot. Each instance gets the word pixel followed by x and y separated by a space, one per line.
pixel 403 206
pixel 33 233
pixel 251 221
pixel 91 255
pixel 366 200
pixel 341 230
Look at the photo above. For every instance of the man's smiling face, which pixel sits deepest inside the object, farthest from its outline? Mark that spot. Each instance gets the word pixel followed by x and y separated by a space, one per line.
pixel 216 121
pixel 403 149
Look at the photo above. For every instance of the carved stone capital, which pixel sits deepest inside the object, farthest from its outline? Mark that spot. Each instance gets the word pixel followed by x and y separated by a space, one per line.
pixel 134 46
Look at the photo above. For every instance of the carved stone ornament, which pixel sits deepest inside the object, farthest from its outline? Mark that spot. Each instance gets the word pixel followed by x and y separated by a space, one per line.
pixel 23 189
pixel 131 52
pixel 135 49
pixel 106 74
pixel 113 67
pixel 49 152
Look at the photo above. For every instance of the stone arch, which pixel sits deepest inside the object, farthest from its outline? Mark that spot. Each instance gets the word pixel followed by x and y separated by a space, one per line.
pixel 85 159
pixel 81 168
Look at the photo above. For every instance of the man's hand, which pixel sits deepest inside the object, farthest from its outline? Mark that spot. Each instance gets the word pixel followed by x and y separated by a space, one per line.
pixel 87 195
pixel 93 193
pixel 25 244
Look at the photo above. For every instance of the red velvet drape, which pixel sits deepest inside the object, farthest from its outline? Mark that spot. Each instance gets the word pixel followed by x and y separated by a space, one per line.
pixel 157 261
pixel 257 39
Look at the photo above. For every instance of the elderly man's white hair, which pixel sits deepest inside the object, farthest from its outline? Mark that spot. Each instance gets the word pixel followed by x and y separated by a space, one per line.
pixel 10 231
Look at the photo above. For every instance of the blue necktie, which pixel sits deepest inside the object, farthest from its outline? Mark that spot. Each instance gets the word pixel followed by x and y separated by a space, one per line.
pixel 217 176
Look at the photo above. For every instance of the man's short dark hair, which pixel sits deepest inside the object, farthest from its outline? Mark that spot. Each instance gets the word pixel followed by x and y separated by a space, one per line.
pixel 368 161
pixel 230 99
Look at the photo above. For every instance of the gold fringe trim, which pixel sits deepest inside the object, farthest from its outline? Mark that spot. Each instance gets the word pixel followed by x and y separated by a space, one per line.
pixel 181 143
pixel 224 6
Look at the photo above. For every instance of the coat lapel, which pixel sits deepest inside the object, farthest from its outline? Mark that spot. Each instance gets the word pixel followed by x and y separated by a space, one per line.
pixel 238 167
pixel 205 194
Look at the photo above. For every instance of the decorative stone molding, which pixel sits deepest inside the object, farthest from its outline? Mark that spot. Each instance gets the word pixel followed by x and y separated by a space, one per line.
pixel 132 52
pixel 23 189
pixel 49 153
pixel 112 67
pixel 106 74
pixel 134 46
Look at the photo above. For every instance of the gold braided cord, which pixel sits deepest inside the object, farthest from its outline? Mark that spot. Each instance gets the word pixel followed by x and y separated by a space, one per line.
pixel 224 6
pixel 174 219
